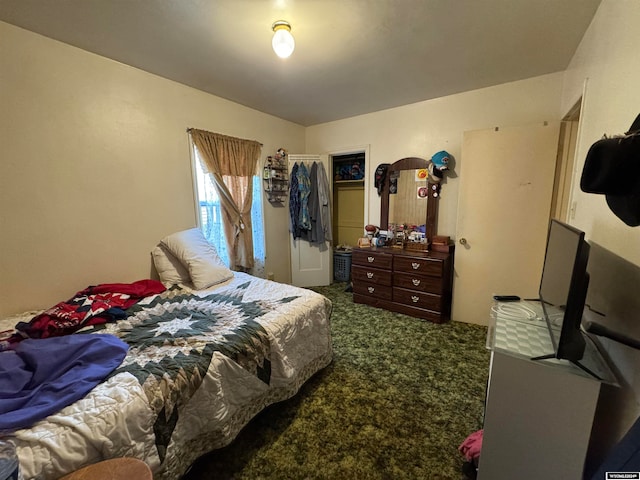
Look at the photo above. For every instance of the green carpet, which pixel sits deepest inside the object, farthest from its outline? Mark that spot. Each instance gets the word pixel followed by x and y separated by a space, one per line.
pixel 397 401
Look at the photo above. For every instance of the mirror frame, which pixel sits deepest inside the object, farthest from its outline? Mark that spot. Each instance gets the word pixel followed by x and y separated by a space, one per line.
pixel 412 163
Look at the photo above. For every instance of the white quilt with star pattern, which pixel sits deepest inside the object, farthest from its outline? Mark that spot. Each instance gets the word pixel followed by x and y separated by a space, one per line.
pixel 201 364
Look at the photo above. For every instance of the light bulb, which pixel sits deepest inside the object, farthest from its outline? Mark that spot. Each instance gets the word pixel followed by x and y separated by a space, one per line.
pixel 283 42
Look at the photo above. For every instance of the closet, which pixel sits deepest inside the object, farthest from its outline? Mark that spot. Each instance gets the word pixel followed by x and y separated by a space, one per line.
pixel 348 198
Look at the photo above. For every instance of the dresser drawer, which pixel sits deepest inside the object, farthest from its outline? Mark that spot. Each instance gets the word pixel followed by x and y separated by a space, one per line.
pixel 379 291
pixel 417 299
pixel 372 258
pixel 421 265
pixel 421 283
pixel 370 275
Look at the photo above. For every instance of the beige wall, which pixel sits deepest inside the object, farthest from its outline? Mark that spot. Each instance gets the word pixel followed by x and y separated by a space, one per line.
pixel 422 129
pixel 95 168
pixel 607 63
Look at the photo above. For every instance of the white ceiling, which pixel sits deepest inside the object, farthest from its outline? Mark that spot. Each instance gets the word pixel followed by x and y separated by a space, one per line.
pixel 352 56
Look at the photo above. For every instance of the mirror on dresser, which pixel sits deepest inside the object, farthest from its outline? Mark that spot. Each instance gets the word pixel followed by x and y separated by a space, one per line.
pixel 405 277
pixel 409 197
pixel 408 205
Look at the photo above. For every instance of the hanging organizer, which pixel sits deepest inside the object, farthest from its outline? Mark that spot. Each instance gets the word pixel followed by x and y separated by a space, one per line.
pixel 276 179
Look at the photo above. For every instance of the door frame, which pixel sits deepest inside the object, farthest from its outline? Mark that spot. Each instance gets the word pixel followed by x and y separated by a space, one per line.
pixel 350 151
pixel 330 154
pixel 562 207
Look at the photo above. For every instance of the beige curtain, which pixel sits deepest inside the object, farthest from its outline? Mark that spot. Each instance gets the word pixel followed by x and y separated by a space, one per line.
pixel 231 163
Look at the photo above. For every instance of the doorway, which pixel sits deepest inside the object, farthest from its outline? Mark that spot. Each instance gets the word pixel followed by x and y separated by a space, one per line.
pixel 312 265
pixel 348 172
pixel 565 163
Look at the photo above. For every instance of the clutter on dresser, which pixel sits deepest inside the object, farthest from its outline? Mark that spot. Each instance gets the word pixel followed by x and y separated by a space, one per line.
pixel 364 242
pixel 407 236
pixel 441 243
pixel 371 230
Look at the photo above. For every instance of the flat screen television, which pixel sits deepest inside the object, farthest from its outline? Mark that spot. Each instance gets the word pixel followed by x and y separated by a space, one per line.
pixel 563 290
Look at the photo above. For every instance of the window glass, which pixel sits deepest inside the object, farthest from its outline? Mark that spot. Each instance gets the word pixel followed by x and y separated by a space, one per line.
pixel 211 217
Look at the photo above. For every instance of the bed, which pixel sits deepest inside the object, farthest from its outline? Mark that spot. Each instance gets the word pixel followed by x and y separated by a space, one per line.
pixel 201 363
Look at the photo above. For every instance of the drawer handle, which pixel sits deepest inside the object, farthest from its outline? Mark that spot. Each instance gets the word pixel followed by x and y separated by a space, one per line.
pixel 415 265
pixel 369 274
pixel 415 281
pixel 370 259
pixel 414 299
pixel 371 289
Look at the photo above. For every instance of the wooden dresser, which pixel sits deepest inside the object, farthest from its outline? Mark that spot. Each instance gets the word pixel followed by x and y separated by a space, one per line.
pixel 411 282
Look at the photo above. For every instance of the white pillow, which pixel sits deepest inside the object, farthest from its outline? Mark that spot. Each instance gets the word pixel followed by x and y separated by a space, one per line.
pixel 170 270
pixel 198 256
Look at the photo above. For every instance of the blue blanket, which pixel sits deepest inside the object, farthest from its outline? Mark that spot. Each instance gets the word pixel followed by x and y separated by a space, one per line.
pixel 39 377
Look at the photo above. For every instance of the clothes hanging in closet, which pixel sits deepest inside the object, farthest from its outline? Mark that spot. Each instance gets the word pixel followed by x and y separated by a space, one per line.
pixel 314 206
pixel 324 193
pixel 309 207
pixel 323 215
pixel 304 188
pixel 294 202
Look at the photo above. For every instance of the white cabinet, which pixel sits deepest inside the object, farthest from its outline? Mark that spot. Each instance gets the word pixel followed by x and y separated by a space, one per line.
pixel 538 414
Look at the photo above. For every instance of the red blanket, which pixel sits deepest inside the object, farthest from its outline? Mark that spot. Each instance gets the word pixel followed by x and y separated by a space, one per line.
pixel 91 306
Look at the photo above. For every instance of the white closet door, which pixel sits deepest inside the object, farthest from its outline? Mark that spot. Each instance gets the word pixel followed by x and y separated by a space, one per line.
pixel 311 265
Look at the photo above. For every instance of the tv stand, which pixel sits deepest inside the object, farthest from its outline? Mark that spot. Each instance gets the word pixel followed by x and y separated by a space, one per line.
pixel 575 362
pixel 538 413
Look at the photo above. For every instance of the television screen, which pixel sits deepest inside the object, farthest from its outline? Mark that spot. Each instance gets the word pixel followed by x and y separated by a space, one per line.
pixel 563 289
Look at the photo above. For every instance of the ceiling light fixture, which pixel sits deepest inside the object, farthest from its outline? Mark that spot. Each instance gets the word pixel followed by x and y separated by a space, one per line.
pixel 283 42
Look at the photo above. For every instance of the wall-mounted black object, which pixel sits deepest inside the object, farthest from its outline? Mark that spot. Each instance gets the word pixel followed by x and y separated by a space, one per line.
pixel 612 168
pixel 381 174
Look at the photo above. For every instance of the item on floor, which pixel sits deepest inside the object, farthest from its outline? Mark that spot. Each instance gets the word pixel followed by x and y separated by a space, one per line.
pixel 470 470
pixel 342 265
pixel 114 469
pixel 471 446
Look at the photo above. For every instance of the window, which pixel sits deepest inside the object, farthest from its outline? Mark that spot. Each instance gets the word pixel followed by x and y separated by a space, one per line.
pixel 210 216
